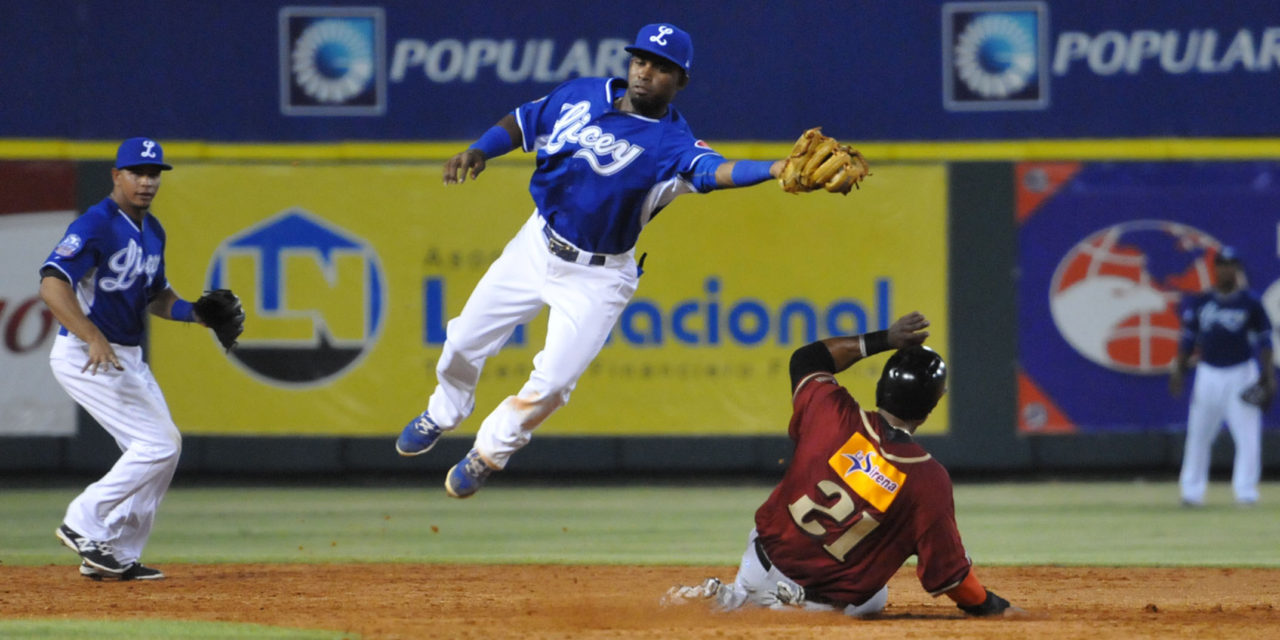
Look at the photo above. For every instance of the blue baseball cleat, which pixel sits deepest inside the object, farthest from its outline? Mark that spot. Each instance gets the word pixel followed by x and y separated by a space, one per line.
pixel 418 436
pixel 468 476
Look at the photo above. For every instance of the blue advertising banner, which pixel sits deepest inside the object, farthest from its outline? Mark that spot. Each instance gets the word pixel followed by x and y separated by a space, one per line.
pixel 1106 253
pixel 277 71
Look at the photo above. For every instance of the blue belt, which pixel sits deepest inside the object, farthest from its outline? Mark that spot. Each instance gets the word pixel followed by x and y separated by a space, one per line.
pixel 565 251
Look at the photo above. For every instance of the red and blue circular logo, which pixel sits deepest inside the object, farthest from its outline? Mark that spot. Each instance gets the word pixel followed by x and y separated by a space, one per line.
pixel 1114 296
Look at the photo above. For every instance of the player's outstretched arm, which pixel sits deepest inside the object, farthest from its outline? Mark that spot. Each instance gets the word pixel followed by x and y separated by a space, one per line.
pixel 711 172
pixel 499 139
pixel 745 173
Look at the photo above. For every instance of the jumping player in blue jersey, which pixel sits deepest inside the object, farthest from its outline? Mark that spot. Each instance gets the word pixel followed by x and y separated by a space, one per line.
pixel 1227 328
pixel 100 281
pixel 611 154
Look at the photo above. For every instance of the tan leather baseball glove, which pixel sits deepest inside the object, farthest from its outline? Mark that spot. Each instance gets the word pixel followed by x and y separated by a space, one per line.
pixel 821 162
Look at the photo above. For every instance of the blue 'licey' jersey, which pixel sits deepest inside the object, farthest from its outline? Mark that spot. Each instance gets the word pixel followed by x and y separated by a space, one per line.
pixel 603 174
pixel 1228 329
pixel 115 267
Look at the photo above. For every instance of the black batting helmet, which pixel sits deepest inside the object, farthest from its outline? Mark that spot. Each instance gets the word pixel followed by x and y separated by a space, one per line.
pixel 912 382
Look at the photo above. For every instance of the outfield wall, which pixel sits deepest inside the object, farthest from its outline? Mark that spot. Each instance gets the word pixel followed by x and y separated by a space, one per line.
pixel 729 407
pixel 1026 156
pixel 324 71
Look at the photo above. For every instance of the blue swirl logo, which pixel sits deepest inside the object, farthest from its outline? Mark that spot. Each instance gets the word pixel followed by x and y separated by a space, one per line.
pixel 995 56
pixel 993 59
pixel 331 61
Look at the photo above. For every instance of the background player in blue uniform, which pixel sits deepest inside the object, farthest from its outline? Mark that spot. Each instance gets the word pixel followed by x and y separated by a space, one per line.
pixel 1226 328
pixel 611 153
pixel 99 282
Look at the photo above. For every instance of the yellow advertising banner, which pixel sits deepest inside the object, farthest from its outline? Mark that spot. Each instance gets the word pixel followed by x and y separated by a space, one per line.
pixel 350 272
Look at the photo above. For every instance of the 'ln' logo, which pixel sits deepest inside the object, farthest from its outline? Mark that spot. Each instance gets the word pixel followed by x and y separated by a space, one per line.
pixel 314 295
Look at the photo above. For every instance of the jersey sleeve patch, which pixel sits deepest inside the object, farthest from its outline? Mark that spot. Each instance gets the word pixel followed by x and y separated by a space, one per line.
pixel 867 473
pixel 69 247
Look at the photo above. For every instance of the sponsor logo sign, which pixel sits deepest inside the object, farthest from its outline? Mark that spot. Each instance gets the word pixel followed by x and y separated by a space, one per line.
pixel 317 298
pixel 1171 51
pixel 1109 254
pixel 332 61
pixel 994 56
pixel 348 294
pixel 1114 296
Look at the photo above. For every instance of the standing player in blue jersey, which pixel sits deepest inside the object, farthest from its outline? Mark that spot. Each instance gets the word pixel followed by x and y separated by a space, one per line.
pixel 1227 328
pixel 611 154
pixel 100 281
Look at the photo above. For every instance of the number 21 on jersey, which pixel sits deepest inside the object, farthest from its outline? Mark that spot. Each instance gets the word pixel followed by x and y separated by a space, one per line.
pixel 805 510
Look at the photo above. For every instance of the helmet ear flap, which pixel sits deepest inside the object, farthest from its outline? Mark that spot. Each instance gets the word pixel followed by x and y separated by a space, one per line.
pixel 912 382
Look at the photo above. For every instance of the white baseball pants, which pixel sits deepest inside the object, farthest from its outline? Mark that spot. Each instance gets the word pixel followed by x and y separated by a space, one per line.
pixel 1215 397
pixel 585 301
pixel 757 586
pixel 121 507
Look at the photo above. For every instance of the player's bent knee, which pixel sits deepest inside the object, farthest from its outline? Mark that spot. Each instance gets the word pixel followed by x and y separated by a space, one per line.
pixel 167 449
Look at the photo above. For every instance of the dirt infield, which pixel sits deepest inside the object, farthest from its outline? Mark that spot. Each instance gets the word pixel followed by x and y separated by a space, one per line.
pixel 479 601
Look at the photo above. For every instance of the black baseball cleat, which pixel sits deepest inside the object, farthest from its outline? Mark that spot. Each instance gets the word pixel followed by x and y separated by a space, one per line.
pixel 136 571
pixel 98 555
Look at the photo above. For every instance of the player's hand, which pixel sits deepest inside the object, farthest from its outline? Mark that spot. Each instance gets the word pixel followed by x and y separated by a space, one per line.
pixel 101 355
pixel 456 168
pixel 908 330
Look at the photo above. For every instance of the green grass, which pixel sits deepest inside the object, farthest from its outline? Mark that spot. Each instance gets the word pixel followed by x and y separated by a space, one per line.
pixel 135 629
pixel 1116 524
pixel 1062 523
pixel 1065 523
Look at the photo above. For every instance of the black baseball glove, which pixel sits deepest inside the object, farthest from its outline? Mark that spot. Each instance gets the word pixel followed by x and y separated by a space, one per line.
pixel 220 310
pixel 994 605
pixel 1259 394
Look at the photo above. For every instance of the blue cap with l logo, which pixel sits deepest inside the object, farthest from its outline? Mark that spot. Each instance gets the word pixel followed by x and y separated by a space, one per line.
pixel 136 152
pixel 667 41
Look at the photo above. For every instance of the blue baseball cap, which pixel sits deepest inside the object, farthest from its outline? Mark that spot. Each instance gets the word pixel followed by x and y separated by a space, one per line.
pixel 667 41
pixel 136 152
